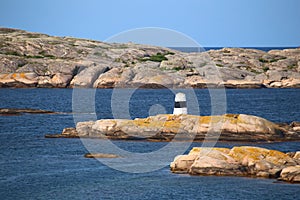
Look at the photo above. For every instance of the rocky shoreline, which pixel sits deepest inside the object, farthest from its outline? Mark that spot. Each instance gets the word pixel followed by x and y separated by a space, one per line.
pixel 239 161
pixel 167 127
pixel 38 60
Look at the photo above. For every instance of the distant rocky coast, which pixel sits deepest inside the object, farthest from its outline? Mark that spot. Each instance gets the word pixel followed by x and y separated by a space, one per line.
pixel 38 60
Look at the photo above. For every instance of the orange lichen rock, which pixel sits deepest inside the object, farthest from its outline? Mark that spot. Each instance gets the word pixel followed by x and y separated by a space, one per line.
pixel 238 161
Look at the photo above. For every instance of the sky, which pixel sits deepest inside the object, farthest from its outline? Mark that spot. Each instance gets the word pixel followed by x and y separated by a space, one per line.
pixel 210 23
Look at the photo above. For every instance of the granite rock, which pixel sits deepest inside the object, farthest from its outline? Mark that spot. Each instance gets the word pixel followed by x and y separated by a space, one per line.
pixel 238 161
pixel 167 127
pixel 49 61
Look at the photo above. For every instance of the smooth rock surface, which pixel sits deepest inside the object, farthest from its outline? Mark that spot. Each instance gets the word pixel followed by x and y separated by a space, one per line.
pixel 291 174
pixel 88 76
pixel 167 127
pixel 238 161
pixel 39 60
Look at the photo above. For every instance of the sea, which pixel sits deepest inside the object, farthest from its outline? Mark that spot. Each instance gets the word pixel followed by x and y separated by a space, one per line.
pixel 201 49
pixel 35 167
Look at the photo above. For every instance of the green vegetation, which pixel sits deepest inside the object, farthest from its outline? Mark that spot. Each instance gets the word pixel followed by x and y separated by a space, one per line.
pixel 54 42
pixel 219 65
pixel 177 68
pixel 6 39
pixel 271 60
pixel 97 53
pixel 159 57
pixel 263 60
pixel 292 66
pixel 92 46
pixel 49 56
pixel 265 69
pixel 122 46
pixel 276 59
pixel 191 69
pixel 79 51
pixel 34 35
pixel 254 71
pixel 42 54
pixel 117 60
pixel 2 44
pixel 46 55
pixel 74 45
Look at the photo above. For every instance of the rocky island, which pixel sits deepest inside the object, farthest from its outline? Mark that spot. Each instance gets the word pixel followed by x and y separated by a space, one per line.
pixel 39 60
pixel 167 127
pixel 240 161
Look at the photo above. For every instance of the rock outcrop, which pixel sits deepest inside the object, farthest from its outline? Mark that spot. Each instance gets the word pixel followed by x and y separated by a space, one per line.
pixel 18 111
pixel 38 60
pixel 238 161
pixel 229 127
pixel 100 155
pixel 291 174
pixel 66 133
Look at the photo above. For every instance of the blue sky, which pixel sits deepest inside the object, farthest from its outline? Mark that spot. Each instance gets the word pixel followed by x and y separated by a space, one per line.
pixel 230 23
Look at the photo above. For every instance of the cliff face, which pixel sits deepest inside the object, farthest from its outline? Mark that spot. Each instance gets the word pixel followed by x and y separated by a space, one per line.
pixel 38 60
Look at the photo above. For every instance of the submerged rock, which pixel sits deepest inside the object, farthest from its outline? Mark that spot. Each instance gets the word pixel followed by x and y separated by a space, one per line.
pixel 66 133
pixel 238 161
pixel 100 155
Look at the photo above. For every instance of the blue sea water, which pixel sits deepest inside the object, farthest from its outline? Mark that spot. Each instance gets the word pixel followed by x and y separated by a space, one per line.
pixel 200 49
pixel 33 167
